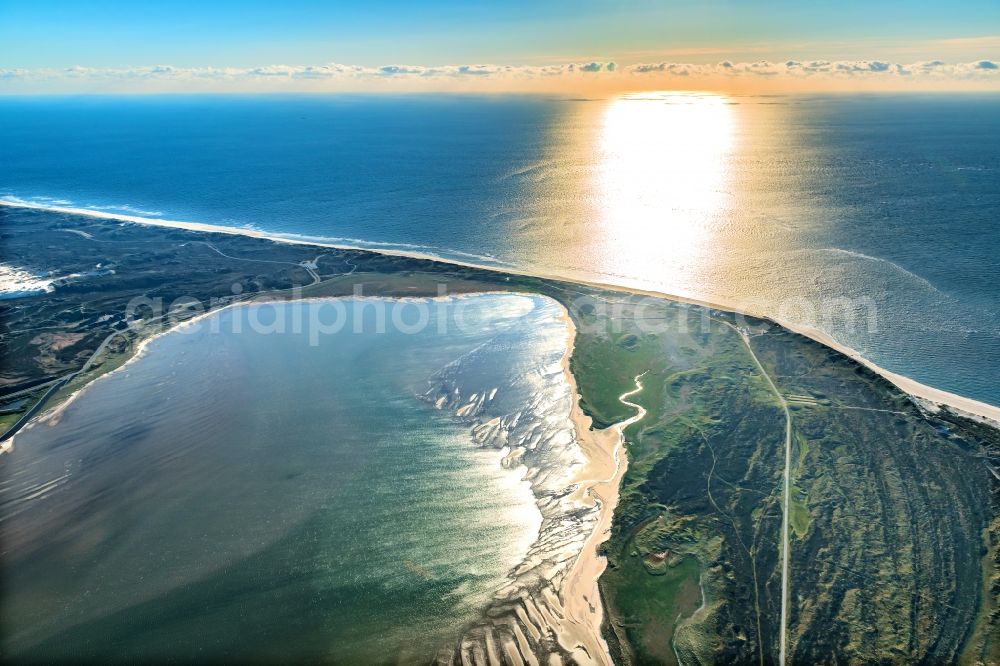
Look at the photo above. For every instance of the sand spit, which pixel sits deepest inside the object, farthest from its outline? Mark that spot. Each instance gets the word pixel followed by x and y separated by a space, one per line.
pixel 929 397
pixel 580 594
pixel 932 398
pixel 551 612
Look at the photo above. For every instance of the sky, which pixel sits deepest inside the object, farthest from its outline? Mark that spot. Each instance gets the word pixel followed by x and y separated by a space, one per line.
pixel 182 46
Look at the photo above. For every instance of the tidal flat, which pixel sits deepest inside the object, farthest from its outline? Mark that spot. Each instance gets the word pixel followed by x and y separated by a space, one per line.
pixel 892 503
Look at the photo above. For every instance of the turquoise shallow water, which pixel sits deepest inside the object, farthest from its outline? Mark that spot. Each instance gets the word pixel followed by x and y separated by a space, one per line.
pixel 249 495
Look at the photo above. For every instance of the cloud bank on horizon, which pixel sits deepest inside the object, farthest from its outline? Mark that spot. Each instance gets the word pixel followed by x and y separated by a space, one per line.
pixel 760 74
pixel 109 46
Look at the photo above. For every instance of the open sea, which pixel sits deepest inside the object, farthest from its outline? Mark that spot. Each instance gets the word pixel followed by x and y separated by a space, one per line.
pixel 874 218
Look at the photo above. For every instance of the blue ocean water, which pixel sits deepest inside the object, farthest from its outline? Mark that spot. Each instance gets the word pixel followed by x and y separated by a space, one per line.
pixel 873 218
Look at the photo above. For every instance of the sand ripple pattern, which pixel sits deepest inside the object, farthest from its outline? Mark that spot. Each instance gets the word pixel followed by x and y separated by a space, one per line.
pixel 527 418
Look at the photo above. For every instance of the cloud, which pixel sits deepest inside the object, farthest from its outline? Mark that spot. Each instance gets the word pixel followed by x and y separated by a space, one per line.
pixel 392 70
pixel 273 70
pixel 839 69
pixel 332 76
pixel 12 74
pixel 474 70
pixel 677 68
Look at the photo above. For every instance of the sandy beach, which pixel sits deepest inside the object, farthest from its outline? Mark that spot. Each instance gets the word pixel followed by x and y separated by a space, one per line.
pixel 974 409
pixel 598 482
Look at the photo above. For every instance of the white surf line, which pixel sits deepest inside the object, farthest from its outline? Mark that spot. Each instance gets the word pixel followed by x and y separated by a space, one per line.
pixel 966 406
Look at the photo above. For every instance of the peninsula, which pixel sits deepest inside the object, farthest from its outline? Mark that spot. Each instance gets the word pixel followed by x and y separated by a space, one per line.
pixel 749 495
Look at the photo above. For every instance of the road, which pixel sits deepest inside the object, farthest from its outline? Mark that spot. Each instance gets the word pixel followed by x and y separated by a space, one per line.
pixel 308 266
pixel 786 493
pixel 782 642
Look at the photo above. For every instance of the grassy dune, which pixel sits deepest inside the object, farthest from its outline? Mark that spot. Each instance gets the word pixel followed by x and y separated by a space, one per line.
pixel 893 510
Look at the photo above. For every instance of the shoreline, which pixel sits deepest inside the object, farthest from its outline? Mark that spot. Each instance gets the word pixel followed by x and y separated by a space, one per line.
pixel 599 482
pixel 938 397
pixel 143 341
pixel 582 599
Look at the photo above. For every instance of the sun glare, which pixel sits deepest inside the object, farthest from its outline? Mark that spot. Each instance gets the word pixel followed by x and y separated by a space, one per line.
pixel 664 166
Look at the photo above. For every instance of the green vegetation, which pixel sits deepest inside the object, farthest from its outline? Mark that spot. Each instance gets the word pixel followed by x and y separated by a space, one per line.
pixel 799 516
pixel 8 420
pixel 656 592
pixel 890 568
pixel 153 277
pixel 890 507
pixel 703 483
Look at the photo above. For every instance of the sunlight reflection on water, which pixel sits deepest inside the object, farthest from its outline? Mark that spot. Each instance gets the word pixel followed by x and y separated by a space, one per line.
pixel 664 166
